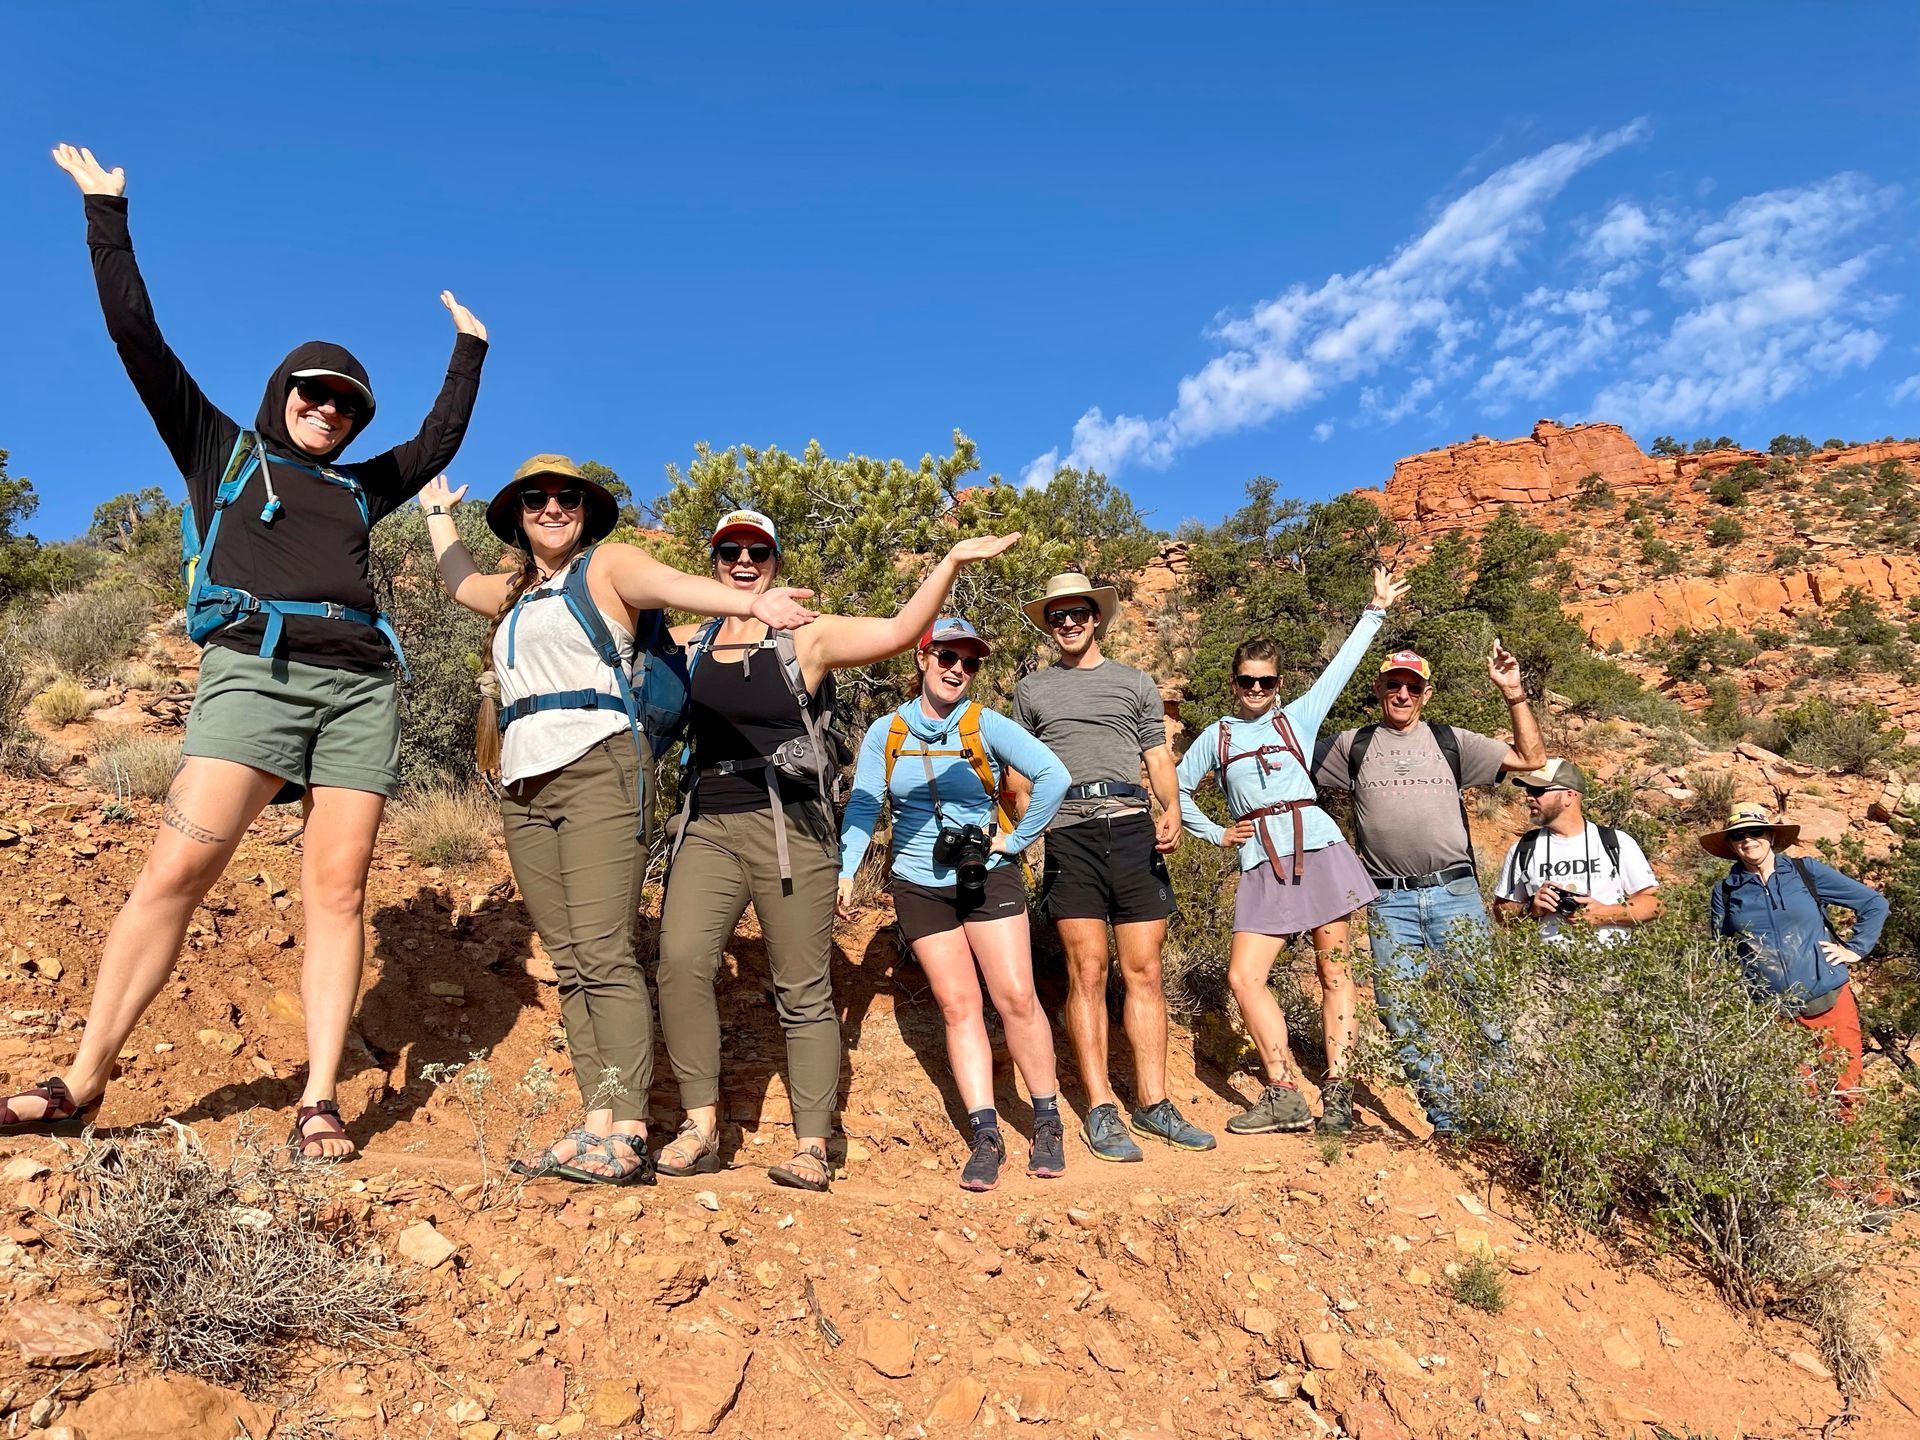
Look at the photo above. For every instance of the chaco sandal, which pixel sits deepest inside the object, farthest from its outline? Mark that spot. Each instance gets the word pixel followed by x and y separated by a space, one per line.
pixel 641 1173
pixel 61 1113
pixel 690 1153
pixel 334 1129
pixel 548 1163
pixel 807 1170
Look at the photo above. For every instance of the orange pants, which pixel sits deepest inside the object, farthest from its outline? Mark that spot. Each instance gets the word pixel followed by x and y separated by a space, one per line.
pixel 1839 1032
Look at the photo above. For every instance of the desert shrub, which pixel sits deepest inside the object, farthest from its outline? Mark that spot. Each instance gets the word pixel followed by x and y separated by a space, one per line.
pixel 228 1267
pixel 1478 1284
pixel 1724 531
pixel 1200 935
pixel 88 633
pixel 1712 799
pixel 21 752
pixel 1686 653
pixel 65 702
pixel 1662 556
pixel 1594 494
pixel 129 765
pixel 1726 490
pixel 441 825
pixel 1615 803
pixel 1645 1092
pixel 1723 722
pixel 1792 447
pixel 1672 746
pixel 1815 732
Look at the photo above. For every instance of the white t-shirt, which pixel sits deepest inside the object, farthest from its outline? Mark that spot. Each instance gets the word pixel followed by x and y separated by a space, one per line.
pixel 1578 863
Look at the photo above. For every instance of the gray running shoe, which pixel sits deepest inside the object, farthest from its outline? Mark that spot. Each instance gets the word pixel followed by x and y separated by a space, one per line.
pixel 1280 1107
pixel 1336 1108
pixel 982 1170
pixel 1047 1160
pixel 1163 1122
pixel 1107 1137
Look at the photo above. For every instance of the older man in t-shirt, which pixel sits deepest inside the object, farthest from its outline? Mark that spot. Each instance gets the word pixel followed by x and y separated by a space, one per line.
pixel 1410 829
pixel 1104 849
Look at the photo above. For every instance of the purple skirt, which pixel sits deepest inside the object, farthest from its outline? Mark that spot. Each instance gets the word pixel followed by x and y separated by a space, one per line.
pixel 1333 884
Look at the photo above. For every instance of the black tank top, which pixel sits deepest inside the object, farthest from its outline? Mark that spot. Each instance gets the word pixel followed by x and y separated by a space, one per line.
pixel 740 713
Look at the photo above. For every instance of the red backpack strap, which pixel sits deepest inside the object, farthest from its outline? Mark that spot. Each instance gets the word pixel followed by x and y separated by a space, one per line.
pixel 1288 740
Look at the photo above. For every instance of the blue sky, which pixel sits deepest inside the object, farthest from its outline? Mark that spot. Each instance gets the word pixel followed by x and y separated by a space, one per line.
pixel 1187 245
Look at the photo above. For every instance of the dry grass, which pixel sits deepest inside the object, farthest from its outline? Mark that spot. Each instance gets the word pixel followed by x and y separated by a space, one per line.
pixel 445 826
pixel 65 702
pixel 21 752
pixel 229 1267
pixel 128 764
pixel 90 632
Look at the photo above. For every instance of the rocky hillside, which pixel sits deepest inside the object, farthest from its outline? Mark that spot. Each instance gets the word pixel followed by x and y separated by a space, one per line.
pixel 1267 1289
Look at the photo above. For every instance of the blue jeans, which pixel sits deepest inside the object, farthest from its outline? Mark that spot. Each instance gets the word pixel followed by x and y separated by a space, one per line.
pixel 1415 922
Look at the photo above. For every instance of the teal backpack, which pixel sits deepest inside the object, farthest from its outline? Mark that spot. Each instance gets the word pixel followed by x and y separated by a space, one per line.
pixel 212 607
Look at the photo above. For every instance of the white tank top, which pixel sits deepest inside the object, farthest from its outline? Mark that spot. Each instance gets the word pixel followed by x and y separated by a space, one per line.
pixel 551 653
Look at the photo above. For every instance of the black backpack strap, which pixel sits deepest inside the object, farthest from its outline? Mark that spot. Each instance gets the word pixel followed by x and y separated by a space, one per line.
pixel 1806 879
pixel 1356 757
pixel 1449 743
pixel 1523 849
pixel 1610 843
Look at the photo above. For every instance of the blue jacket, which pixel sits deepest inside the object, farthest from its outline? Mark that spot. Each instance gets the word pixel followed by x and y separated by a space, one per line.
pixel 961 799
pixel 1778 925
pixel 1248 786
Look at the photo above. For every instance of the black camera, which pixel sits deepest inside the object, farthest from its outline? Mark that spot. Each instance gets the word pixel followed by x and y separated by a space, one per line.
pixel 965 848
pixel 1570 902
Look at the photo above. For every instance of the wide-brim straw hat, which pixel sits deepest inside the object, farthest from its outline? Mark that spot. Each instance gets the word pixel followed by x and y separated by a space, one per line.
pixel 504 515
pixel 1072 585
pixel 1747 817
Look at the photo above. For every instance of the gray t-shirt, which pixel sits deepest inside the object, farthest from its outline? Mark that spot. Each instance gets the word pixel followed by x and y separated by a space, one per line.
pixel 1406 810
pixel 1100 722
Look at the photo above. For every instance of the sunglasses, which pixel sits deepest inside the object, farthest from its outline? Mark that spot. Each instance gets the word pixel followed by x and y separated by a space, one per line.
pixel 947 659
pixel 1262 683
pixel 1069 615
pixel 1741 837
pixel 345 403
pixel 1412 687
pixel 1536 791
pixel 534 501
pixel 731 550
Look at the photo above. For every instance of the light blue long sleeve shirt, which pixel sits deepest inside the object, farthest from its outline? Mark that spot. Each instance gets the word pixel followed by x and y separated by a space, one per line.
pixel 1250 786
pixel 962 800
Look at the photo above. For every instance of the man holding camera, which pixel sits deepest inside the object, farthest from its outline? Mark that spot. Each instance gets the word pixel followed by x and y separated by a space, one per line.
pixel 1568 871
pixel 1104 856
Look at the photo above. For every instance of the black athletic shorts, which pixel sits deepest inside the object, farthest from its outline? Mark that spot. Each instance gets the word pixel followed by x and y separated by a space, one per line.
pixel 924 910
pixel 1106 870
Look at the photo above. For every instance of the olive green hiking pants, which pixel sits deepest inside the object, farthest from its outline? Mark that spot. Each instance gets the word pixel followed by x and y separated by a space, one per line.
pixel 725 862
pixel 570 838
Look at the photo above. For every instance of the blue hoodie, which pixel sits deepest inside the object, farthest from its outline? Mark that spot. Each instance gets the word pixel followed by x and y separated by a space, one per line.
pixel 962 800
pixel 1250 786
pixel 1778 926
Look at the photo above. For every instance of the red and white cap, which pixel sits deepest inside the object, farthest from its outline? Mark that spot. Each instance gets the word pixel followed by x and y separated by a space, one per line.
pixel 752 522
pixel 1407 660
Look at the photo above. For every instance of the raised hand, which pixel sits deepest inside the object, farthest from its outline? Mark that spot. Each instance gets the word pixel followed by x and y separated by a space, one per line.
pixel 980 547
pixel 1504 671
pixel 437 495
pixel 89 174
pixel 463 320
pixel 1386 589
pixel 781 609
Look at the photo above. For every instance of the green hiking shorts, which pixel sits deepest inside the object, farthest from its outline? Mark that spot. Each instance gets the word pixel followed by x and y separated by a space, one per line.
pixel 308 724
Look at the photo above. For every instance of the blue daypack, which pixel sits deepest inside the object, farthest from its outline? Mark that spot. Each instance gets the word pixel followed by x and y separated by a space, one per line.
pixel 656 703
pixel 212 606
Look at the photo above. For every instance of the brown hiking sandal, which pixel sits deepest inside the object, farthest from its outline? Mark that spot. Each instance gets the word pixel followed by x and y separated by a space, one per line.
pixel 806 1171
pixel 689 1153
pixel 60 1113
pixel 298 1139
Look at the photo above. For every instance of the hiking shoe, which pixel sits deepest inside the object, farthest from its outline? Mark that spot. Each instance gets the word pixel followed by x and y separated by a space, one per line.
pixel 1336 1108
pixel 1107 1137
pixel 1163 1122
pixel 1280 1107
pixel 1047 1160
pixel 982 1170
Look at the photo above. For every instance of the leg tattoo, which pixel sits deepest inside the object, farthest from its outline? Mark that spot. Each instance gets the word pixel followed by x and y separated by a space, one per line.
pixel 176 817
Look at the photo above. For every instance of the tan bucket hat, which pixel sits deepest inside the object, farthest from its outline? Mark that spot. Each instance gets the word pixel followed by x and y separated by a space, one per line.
pixel 1747 817
pixel 1072 585
pixel 602 511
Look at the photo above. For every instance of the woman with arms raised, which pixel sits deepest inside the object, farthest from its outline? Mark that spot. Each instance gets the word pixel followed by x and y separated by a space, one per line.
pixel 958 894
pixel 297 692
pixel 573 780
pixel 757 826
pixel 1297 875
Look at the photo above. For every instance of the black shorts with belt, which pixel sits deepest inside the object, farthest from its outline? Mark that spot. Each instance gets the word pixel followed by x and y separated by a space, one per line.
pixel 924 910
pixel 1106 868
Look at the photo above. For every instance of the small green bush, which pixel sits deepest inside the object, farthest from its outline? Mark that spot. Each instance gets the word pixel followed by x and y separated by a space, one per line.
pixel 440 825
pixel 88 633
pixel 130 765
pixel 1724 531
pixel 1856 741
pixel 1478 1284
pixel 65 702
pixel 1712 799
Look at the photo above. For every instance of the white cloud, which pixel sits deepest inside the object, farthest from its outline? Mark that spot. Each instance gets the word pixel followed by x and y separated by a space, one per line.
pixel 1907 389
pixel 1305 343
pixel 1324 430
pixel 1776 298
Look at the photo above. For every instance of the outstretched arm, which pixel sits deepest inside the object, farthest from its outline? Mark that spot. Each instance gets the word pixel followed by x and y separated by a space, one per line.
pixel 649 584
pixel 196 434
pixel 1309 712
pixel 482 593
pixel 393 476
pixel 839 642
pixel 1528 751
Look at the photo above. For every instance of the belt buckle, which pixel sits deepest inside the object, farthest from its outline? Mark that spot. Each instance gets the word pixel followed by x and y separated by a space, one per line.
pixel 335 610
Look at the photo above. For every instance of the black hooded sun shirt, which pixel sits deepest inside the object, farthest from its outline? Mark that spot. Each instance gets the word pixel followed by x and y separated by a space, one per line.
pixel 317 547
